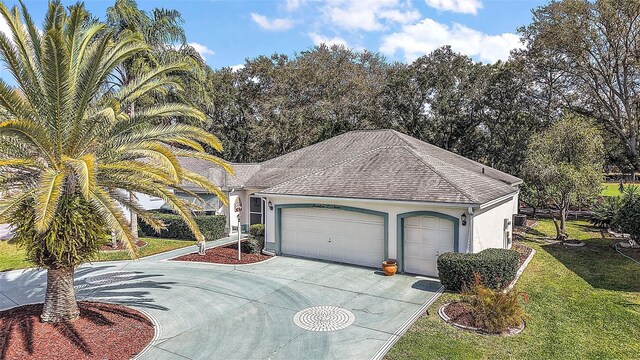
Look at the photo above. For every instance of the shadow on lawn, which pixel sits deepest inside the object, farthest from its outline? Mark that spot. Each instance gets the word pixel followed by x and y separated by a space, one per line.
pixel 133 292
pixel 598 264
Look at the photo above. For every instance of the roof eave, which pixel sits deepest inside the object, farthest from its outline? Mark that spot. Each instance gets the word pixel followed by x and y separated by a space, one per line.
pixel 399 201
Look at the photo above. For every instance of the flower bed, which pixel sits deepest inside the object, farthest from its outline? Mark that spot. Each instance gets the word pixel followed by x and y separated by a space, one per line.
pixel 461 315
pixel 103 331
pixel 224 255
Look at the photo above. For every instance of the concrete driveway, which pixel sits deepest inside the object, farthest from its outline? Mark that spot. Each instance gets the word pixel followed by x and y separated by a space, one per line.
pixel 205 311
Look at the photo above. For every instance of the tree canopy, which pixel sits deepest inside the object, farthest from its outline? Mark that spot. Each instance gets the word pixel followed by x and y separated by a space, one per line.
pixel 564 165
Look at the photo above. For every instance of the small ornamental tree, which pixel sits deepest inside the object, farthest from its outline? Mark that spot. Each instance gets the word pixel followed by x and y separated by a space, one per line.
pixel 565 164
pixel 627 219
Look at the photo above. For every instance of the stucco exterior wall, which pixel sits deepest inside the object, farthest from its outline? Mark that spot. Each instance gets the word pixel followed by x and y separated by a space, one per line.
pixel 489 229
pixel 149 202
pixel 393 209
pixel 244 213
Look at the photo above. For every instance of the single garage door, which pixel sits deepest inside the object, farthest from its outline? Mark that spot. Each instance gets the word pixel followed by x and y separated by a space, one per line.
pixel 333 234
pixel 425 238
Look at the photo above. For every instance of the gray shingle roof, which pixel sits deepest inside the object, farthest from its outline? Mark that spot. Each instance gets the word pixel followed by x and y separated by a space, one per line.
pixel 376 164
pixel 385 165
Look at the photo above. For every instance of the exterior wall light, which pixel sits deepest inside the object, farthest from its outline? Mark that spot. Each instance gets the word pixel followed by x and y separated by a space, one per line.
pixel 270 205
pixel 463 218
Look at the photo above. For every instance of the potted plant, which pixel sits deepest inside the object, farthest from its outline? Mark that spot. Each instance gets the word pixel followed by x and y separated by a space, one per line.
pixel 389 267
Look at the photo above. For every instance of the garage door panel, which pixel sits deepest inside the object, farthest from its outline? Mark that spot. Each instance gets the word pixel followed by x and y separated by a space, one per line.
pixel 413 235
pixel 333 234
pixel 426 237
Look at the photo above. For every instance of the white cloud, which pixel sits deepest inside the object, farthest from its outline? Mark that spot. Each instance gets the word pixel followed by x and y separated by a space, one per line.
pixel 401 17
pixel 293 4
pixel 459 6
pixel 4 28
pixel 371 15
pixel 321 39
pixel 202 50
pixel 272 24
pixel 235 68
pixel 427 35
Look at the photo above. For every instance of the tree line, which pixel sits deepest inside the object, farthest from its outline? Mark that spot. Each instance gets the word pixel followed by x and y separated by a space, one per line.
pixel 579 57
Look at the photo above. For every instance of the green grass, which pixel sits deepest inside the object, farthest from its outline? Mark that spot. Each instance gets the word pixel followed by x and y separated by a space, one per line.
pixel 610 189
pixel 11 257
pixel 584 303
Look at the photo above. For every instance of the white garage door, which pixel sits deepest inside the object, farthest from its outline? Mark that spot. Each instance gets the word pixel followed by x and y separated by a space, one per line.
pixel 333 234
pixel 426 237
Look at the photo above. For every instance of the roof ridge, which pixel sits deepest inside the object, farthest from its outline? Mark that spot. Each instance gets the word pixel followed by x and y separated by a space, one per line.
pixel 412 151
pixel 335 164
pixel 483 174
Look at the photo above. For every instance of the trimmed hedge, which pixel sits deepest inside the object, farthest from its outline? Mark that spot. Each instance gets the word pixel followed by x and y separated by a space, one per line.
pixel 256 230
pixel 257 237
pixel 211 226
pixel 496 267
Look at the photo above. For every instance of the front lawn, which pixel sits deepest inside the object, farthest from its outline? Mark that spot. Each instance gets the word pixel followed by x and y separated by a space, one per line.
pixel 584 304
pixel 611 189
pixel 11 257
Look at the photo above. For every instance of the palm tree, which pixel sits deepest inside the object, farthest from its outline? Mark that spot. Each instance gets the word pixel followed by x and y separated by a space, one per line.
pixel 70 153
pixel 162 31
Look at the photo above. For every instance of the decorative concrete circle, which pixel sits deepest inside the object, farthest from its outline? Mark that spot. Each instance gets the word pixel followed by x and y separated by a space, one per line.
pixel 324 318
pixel 110 278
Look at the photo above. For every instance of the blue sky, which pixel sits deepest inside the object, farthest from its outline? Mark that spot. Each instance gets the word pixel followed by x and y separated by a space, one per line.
pixel 226 32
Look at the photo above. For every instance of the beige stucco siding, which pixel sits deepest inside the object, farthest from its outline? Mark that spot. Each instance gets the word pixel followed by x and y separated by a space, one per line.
pixel 392 208
pixel 489 224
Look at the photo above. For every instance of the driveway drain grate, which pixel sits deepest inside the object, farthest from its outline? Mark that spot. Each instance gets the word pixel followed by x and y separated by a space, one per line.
pixel 110 278
pixel 324 318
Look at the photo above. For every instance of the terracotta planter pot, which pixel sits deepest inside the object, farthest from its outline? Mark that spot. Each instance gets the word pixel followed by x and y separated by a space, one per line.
pixel 389 267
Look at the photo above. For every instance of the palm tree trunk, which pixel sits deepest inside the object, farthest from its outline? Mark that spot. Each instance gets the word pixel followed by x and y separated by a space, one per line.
pixel 60 300
pixel 134 216
pixel 133 220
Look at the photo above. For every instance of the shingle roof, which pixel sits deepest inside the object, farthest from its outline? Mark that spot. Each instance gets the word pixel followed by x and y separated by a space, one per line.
pixel 376 164
pixel 385 165
pixel 218 175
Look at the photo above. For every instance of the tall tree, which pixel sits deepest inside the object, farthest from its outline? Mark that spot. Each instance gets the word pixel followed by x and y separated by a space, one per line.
pixel 591 51
pixel 69 152
pixel 453 85
pixel 564 166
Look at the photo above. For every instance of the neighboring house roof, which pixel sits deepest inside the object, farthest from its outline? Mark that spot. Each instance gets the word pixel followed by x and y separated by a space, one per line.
pixel 376 164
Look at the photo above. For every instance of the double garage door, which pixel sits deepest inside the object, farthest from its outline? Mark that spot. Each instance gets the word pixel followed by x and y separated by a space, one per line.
pixel 358 238
pixel 333 234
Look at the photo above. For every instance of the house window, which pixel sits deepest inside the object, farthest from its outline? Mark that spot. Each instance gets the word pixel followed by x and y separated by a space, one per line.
pixel 256 210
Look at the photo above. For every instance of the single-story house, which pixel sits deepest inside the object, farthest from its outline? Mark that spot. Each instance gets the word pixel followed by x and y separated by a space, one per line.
pixel 366 196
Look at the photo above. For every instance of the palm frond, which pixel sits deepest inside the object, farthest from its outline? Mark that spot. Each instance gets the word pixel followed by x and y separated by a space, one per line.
pixel 85 171
pixel 46 198
pixel 113 215
pixel 10 202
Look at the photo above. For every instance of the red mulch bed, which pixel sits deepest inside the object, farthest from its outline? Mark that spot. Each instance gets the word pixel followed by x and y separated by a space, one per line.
pixel 103 331
pixel 121 246
pixel 460 313
pixel 224 255
pixel 523 251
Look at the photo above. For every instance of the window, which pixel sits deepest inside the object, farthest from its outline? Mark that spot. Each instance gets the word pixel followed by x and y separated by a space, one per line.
pixel 256 213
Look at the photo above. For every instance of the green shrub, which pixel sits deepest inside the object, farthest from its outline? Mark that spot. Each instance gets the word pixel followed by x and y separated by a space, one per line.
pixel 251 245
pixel 497 267
pixel 494 311
pixel 257 234
pixel 628 217
pixel 211 226
pixel 604 214
pixel 256 230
